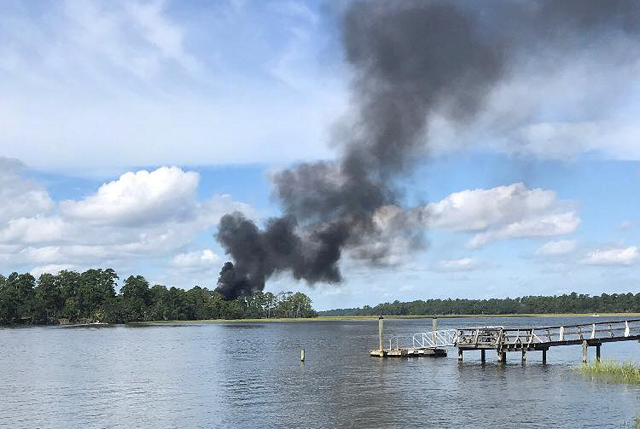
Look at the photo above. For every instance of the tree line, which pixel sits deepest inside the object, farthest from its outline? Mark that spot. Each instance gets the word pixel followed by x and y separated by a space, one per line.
pixel 90 296
pixel 567 303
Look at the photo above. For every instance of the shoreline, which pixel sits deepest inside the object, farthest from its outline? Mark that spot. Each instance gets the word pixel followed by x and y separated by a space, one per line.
pixel 387 317
pixel 328 319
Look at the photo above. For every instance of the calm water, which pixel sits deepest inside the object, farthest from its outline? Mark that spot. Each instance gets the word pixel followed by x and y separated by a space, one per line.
pixel 250 376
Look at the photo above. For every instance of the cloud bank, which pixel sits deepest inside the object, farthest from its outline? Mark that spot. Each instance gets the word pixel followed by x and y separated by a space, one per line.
pixel 143 215
pixel 137 78
pixel 512 211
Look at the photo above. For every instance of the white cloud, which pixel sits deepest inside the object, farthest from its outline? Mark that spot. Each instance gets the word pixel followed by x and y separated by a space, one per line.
pixel 136 37
pixel 140 197
pixel 104 85
pixel 613 256
pixel 20 198
pixel 556 248
pixel 141 216
pixel 50 269
pixel 38 229
pixel 512 211
pixel 199 260
pixel 464 264
pixel 541 226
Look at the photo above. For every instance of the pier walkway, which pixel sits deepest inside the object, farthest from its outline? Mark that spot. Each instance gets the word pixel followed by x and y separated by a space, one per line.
pixel 503 339
pixel 522 340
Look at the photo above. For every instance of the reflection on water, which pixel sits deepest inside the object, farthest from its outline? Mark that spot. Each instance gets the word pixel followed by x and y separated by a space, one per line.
pixel 250 375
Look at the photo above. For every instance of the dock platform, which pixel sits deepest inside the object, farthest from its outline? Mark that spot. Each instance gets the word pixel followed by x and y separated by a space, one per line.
pixel 525 339
pixel 505 339
pixel 406 353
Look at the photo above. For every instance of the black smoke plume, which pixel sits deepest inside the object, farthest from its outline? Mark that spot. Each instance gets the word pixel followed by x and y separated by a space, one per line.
pixel 410 60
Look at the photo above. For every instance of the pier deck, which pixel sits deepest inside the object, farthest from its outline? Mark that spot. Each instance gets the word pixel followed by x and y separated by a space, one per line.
pixel 503 339
pixel 525 339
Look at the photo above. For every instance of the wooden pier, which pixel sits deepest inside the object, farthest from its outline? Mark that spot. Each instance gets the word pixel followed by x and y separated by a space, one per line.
pixel 526 339
pixel 504 340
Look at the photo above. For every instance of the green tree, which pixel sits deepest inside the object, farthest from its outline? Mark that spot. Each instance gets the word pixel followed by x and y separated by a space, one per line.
pixel 49 298
pixel 69 282
pixel 136 298
pixel 96 288
pixel 8 302
pixel 159 303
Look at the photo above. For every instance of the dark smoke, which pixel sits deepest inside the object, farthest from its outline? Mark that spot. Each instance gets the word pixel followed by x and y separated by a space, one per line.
pixel 411 59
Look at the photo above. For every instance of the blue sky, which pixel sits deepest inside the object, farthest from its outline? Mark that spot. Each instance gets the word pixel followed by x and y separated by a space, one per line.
pixel 130 127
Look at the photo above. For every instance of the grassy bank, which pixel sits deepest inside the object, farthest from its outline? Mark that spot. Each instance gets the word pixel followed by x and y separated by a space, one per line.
pixel 479 316
pixel 613 372
pixel 391 317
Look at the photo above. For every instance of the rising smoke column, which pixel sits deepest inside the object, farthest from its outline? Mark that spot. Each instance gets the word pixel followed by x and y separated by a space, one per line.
pixel 410 60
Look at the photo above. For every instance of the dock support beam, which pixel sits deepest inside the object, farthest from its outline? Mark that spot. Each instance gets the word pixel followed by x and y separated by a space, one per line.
pixel 544 356
pixel 459 355
pixel 502 356
pixel 584 351
pixel 380 321
pixel 598 353
pixel 524 355
pixel 482 356
pixel 434 328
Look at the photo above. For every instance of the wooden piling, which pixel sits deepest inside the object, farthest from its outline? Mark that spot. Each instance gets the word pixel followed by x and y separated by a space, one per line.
pixel 544 356
pixel 584 351
pixel 380 321
pixel 459 355
pixel 434 328
pixel 482 356
pixel 502 356
pixel 524 355
pixel 598 353
pixel 302 355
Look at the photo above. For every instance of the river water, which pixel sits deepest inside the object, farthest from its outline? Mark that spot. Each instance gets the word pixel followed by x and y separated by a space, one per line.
pixel 249 375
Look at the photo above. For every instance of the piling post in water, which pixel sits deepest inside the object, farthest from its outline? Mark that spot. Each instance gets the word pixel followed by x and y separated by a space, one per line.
pixel 524 355
pixel 483 358
pixel 584 351
pixel 598 353
pixel 544 356
pixel 302 355
pixel 434 328
pixel 459 355
pixel 380 321
pixel 626 328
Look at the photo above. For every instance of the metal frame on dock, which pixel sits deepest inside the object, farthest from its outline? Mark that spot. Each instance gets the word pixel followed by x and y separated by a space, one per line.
pixel 525 339
pixel 517 339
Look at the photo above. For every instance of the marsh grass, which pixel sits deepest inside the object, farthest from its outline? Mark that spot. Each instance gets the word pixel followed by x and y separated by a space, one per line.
pixel 613 372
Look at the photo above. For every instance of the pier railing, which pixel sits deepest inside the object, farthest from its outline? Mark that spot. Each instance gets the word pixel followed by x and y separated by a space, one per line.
pixel 442 338
pixel 498 337
pixel 423 340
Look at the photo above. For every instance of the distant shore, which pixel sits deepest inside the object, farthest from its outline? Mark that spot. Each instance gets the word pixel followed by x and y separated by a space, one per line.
pixel 334 319
pixel 389 317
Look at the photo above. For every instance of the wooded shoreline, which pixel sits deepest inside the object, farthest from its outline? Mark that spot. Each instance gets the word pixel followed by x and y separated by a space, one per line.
pixel 355 318
pixel 71 298
pixel 572 303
